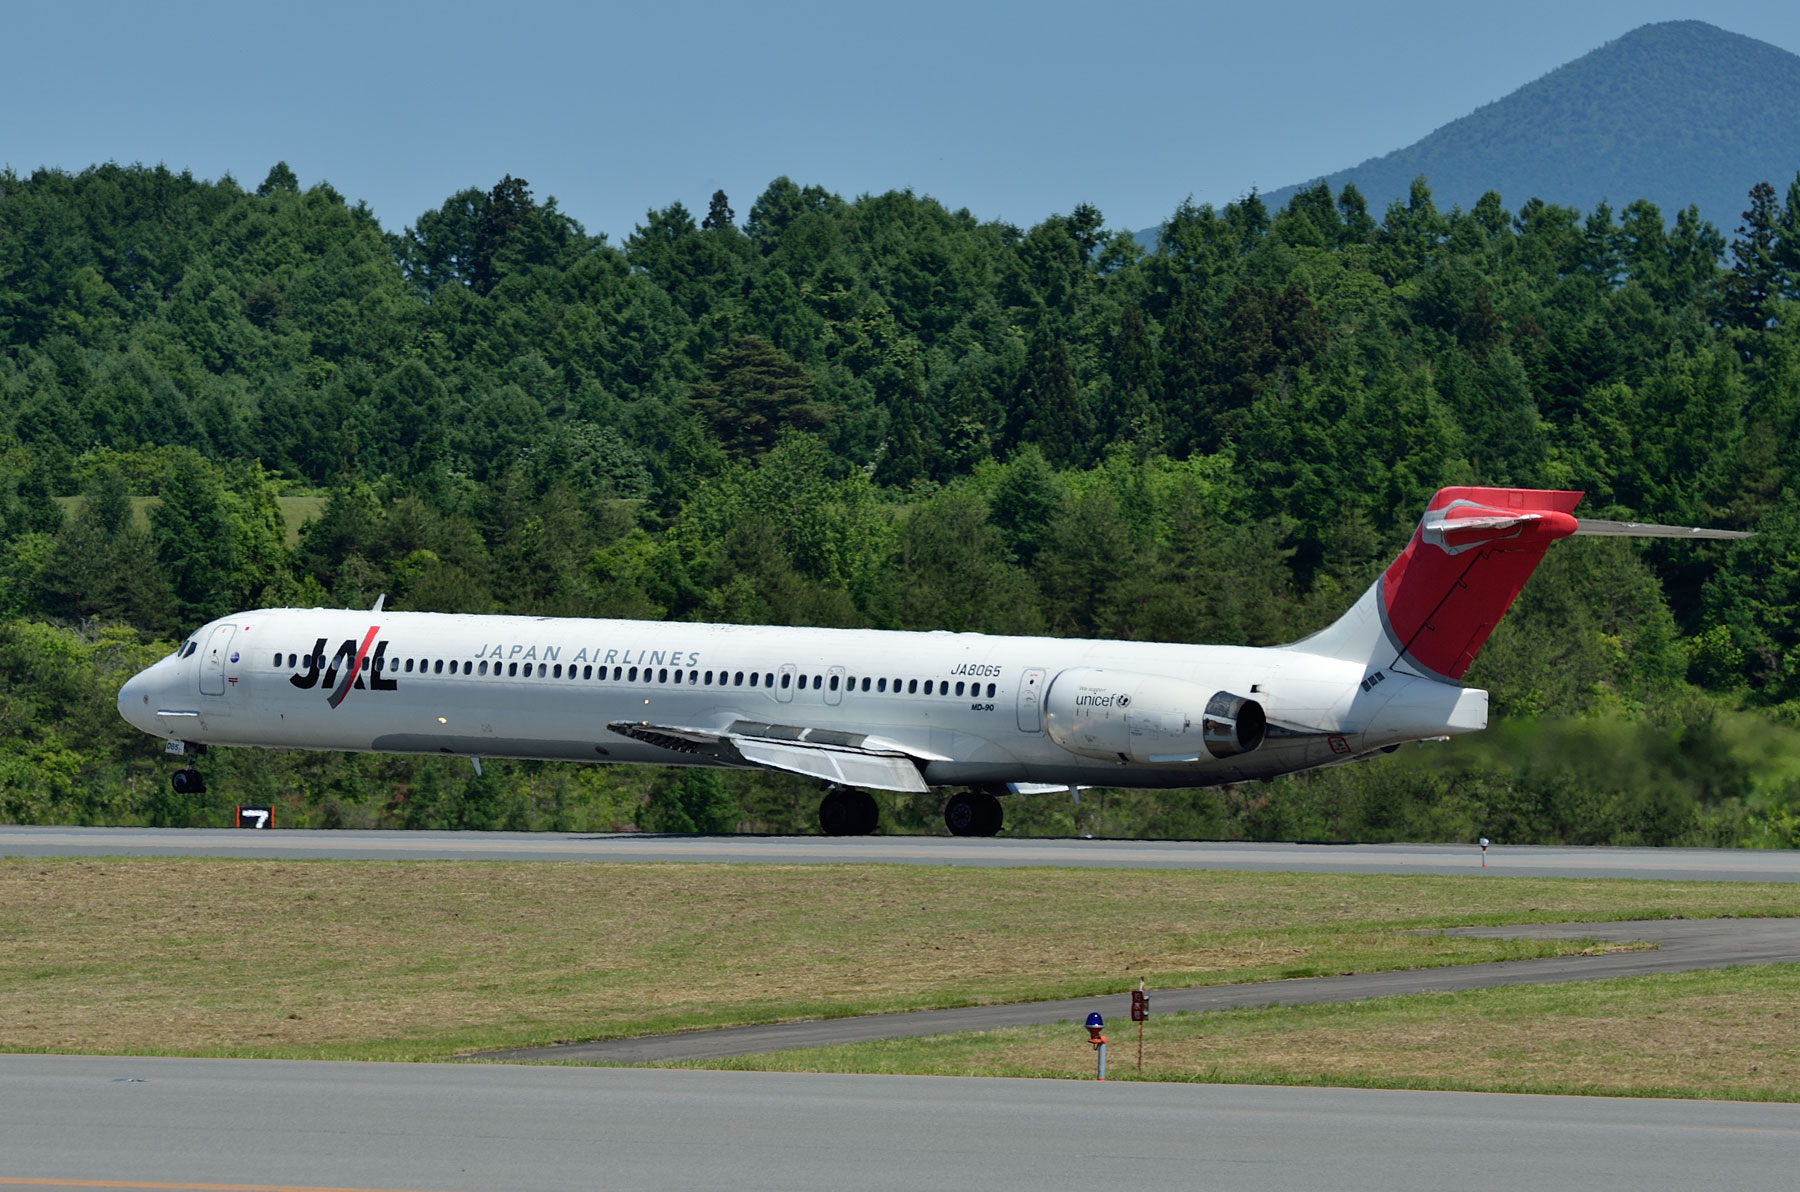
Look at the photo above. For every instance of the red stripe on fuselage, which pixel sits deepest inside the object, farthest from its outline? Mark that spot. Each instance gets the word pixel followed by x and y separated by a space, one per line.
pixel 338 696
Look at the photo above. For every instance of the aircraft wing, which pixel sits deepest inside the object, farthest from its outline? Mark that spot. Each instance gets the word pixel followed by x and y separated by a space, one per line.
pixel 850 759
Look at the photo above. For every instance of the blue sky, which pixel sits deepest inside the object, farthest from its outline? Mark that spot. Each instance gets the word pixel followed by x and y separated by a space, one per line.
pixel 1012 110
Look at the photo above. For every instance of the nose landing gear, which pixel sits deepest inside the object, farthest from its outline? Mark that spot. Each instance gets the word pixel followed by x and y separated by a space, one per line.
pixel 187 781
pixel 973 813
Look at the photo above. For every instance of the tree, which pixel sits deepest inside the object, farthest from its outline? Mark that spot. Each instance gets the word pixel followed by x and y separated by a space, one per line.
pixel 280 180
pixel 690 801
pixel 101 566
pixel 1053 410
pixel 1755 271
pixel 196 542
pixel 718 213
pixel 752 393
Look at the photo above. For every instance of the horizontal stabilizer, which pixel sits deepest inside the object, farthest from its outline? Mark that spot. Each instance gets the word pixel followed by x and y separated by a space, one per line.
pixel 1625 529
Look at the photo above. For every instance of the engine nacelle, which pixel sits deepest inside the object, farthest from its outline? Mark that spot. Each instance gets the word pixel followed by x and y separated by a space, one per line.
pixel 1127 716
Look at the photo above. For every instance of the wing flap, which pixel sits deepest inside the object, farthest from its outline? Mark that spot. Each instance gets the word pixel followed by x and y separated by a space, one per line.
pixel 848 767
pixel 850 759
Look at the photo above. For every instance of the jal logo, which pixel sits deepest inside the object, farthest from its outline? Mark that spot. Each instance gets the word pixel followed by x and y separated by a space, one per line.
pixel 353 660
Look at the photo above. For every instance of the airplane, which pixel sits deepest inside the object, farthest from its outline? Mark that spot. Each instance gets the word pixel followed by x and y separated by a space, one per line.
pixel 861 709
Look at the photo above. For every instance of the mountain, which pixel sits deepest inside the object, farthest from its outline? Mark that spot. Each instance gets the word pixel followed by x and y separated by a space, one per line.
pixel 1679 112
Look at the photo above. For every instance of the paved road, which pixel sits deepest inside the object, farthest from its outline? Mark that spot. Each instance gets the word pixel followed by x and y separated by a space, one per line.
pixel 70 1121
pixel 1682 944
pixel 1675 864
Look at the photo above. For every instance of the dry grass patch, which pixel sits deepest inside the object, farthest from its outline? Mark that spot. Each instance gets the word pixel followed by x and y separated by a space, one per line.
pixel 1726 1033
pixel 425 959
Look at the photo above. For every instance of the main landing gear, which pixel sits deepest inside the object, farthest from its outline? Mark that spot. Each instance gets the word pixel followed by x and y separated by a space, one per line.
pixel 845 812
pixel 973 813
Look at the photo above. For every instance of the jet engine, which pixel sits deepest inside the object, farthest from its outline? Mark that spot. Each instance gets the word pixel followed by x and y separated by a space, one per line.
pixel 1126 716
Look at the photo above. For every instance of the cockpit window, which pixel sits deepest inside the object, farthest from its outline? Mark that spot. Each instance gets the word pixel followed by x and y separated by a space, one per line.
pixel 187 650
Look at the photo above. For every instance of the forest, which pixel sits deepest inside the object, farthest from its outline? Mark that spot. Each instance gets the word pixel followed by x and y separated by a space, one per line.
pixel 884 412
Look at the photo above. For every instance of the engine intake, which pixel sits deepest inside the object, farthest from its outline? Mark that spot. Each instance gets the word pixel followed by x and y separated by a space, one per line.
pixel 1127 716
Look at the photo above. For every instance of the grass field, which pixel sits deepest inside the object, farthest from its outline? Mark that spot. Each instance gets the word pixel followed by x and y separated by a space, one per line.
pixel 1727 1033
pixel 295 512
pixel 421 960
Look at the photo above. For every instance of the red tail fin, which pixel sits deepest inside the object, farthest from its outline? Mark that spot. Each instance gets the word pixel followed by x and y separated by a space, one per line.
pixel 1472 553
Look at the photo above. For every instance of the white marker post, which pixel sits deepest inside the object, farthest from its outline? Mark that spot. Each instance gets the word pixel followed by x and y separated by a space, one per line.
pixel 1140 1010
pixel 1484 844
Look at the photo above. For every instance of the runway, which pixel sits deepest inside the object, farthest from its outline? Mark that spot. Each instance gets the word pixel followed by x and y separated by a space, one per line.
pixel 69 1121
pixel 1763 865
pixel 1682 944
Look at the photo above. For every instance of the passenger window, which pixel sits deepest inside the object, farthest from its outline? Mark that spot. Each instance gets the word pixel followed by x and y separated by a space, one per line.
pixel 959 688
pixel 786 681
pixel 990 691
pixel 738 679
pixel 753 678
pixel 484 667
pixel 709 678
pixel 769 679
pixel 865 685
pixel 587 672
pixel 834 682
pixel 437 668
pixel 928 687
pixel 912 687
pixel 881 684
pixel 662 676
pixel 632 675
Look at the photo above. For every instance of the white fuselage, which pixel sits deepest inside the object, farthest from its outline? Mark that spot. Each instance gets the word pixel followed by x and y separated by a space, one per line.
pixel 968 708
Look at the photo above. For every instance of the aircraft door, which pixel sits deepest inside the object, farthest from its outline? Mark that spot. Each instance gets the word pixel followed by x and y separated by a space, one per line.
pixel 212 660
pixel 1031 701
pixel 834 685
pixel 784 686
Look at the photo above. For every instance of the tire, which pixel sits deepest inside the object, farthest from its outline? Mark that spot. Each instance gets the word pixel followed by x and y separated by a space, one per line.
pixel 848 813
pixel 866 816
pixel 992 816
pixel 179 781
pixel 973 813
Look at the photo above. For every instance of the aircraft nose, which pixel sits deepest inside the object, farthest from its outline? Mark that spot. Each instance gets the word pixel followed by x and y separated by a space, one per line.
pixel 134 702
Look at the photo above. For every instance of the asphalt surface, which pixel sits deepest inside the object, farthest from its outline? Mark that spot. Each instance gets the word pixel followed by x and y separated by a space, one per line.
pixel 1774 865
pixel 74 1121
pixel 1682 944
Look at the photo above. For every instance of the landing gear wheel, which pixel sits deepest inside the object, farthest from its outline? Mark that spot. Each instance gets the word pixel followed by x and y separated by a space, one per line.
pixel 848 813
pixel 188 782
pixel 973 813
